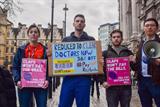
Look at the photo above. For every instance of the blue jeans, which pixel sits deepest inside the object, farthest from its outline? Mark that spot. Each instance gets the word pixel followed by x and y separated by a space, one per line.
pixel 147 91
pixel 77 87
pixel 25 96
pixel 118 94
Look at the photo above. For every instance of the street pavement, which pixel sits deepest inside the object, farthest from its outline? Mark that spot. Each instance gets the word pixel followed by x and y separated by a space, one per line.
pixel 94 101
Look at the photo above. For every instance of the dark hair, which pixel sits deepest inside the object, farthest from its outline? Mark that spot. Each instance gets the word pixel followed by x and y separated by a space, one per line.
pixel 79 15
pixel 152 19
pixel 116 31
pixel 32 26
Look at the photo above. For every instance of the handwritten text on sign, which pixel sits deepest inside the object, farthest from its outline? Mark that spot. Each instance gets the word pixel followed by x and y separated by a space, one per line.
pixel 118 71
pixel 33 72
pixel 75 58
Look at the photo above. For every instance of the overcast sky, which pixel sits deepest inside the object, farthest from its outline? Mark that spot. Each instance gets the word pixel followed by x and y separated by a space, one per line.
pixel 97 12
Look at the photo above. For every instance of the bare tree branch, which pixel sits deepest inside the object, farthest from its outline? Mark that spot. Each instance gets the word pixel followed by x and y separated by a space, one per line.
pixel 11 6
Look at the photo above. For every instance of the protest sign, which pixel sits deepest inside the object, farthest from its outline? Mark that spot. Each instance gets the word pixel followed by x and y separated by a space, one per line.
pixel 33 72
pixel 75 58
pixel 118 71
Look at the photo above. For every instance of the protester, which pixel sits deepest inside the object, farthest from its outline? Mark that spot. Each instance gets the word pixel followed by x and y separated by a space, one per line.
pixel 77 87
pixel 121 93
pixel 148 69
pixel 34 50
pixel 7 89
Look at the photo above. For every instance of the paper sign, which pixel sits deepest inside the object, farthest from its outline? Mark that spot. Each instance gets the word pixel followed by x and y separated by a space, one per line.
pixel 118 71
pixel 75 58
pixel 33 72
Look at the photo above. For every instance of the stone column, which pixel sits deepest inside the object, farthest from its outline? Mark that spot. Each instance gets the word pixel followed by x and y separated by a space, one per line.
pixel 134 19
pixel 122 8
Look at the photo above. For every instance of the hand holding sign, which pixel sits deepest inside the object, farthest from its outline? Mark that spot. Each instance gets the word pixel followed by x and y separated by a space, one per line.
pixel 45 85
pixel 132 58
pixel 49 49
pixel 19 84
pixel 105 85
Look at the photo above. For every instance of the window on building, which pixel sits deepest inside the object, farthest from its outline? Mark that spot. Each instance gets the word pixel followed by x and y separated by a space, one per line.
pixel 8 34
pixel 7 58
pixel 11 58
pixel 7 42
pixel 20 43
pixel 7 50
pixel 12 42
pixel 1 33
pixel 0 53
pixel 23 34
pixel 12 49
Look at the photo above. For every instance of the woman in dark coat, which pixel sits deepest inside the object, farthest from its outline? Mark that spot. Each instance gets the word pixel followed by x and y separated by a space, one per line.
pixel 7 89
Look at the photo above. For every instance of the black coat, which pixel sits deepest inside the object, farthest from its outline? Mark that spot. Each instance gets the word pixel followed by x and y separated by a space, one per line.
pixel 7 89
pixel 153 68
pixel 111 53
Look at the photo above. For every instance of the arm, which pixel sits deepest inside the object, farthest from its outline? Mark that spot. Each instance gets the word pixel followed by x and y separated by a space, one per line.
pixel 132 60
pixel 46 54
pixel 104 78
pixel 16 69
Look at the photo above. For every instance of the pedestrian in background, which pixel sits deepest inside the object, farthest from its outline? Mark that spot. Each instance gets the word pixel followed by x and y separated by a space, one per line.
pixel 95 81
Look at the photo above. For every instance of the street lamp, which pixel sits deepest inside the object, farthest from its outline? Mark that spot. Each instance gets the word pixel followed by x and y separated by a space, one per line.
pixel 52 19
pixel 64 29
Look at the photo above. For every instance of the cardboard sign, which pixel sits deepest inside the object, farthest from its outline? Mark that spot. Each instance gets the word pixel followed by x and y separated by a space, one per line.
pixel 33 72
pixel 118 71
pixel 75 58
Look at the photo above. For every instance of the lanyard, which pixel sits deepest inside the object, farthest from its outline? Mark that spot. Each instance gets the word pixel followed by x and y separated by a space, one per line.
pixel 32 52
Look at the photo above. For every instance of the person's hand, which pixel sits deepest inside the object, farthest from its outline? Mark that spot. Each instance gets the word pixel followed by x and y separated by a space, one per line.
pixel 101 60
pixel 132 58
pixel 157 61
pixel 49 52
pixel 45 85
pixel 105 85
pixel 19 84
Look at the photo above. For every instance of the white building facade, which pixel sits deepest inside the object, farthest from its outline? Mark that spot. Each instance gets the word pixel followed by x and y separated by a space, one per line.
pixel 104 33
pixel 132 14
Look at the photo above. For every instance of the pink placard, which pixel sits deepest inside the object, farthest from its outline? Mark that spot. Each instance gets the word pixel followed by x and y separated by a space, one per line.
pixel 118 71
pixel 33 72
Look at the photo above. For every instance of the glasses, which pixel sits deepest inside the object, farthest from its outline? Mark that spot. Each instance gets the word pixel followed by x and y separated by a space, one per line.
pixel 150 25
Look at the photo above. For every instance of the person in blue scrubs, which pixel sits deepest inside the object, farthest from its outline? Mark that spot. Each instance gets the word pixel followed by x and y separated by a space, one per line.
pixel 77 87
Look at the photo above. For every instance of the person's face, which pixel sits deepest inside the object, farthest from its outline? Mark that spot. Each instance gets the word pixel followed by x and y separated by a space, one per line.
pixel 116 39
pixel 150 28
pixel 79 24
pixel 33 34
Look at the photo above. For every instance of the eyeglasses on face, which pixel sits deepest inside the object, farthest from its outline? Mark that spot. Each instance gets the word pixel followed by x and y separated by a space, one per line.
pixel 150 25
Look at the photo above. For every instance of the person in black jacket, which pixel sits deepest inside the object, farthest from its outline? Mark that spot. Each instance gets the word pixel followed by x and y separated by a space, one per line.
pixel 116 94
pixel 7 89
pixel 148 69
